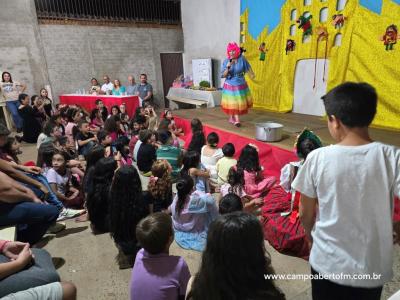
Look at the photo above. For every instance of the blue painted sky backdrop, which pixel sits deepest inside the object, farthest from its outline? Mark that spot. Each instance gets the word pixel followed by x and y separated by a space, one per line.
pixel 264 13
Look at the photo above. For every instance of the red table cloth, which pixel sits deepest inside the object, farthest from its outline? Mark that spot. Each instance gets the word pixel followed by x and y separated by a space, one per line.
pixel 88 101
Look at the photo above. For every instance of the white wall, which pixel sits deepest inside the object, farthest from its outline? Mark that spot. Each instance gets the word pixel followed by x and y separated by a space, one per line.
pixel 208 26
pixel 21 52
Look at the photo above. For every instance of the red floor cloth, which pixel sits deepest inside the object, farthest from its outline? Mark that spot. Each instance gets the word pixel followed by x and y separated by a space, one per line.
pixel 272 158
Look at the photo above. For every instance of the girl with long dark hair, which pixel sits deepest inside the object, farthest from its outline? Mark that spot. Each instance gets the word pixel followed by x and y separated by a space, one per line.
pixel 112 126
pixel 248 167
pixel 127 208
pixel 235 263
pixel 97 200
pixel 193 168
pixel 48 103
pixel 192 211
pixel 198 138
pixel 73 117
pixel 95 154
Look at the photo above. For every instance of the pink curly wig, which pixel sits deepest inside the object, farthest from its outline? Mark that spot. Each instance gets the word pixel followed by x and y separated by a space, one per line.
pixel 233 47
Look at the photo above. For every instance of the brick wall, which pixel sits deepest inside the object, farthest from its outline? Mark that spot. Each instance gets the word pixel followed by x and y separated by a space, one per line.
pixel 74 54
pixel 66 57
pixel 21 53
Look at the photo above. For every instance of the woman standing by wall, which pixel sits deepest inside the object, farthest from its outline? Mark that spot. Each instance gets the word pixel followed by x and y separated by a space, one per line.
pixel 31 126
pixel 11 90
pixel 236 97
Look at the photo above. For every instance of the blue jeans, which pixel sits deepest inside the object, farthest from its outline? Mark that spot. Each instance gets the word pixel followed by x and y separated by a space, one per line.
pixel 41 272
pixel 52 199
pixel 84 150
pixel 32 219
pixel 12 106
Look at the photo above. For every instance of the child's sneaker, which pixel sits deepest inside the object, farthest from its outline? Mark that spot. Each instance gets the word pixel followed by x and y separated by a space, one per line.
pixel 56 228
pixel 68 213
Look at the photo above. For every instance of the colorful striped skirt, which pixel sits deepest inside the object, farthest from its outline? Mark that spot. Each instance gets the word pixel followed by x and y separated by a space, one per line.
pixel 236 99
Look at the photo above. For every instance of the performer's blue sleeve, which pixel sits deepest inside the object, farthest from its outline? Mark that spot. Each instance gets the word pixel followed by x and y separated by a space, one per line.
pixel 223 67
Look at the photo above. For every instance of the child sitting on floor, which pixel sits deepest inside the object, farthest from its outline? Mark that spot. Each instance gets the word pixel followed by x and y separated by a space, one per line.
pixel 193 167
pixel 192 212
pixel 248 167
pixel 98 199
pixel 230 203
pixel 112 127
pixel 198 139
pixel 104 139
pixel 135 126
pixel 165 125
pixel 96 119
pixel 121 146
pixel 225 163
pixel 12 150
pixel 282 227
pixel 127 208
pixel 211 154
pixel 85 139
pixel 159 189
pixel 172 154
pixel 151 116
pixel 236 185
pixel 235 264
pixel 59 178
pixel 50 133
pixel 146 153
pixel 156 274
pixel 71 129
pixel 175 130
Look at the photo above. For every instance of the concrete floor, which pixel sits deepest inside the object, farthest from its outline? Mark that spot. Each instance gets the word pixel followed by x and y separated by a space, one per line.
pixel 89 261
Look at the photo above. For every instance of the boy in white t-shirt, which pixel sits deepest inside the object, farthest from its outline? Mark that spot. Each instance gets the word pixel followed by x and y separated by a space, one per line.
pixel 347 200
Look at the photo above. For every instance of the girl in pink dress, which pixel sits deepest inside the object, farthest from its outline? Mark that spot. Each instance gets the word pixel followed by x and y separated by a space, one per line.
pixel 255 184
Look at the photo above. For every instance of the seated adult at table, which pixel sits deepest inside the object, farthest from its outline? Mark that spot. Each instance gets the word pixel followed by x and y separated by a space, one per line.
pixel 107 86
pixel 132 87
pixel 118 89
pixel 100 106
pixel 145 90
pixel 95 87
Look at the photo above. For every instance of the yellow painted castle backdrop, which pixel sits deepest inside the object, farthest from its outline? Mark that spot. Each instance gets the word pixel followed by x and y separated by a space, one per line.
pixel 361 57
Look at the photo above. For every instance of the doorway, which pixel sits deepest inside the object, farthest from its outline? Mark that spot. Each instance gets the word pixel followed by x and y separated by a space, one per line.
pixel 171 67
pixel 307 97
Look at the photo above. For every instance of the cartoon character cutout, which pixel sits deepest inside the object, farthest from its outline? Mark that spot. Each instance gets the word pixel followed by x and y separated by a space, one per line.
pixel 263 51
pixel 338 21
pixel 305 24
pixel 290 46
pixel 390 37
